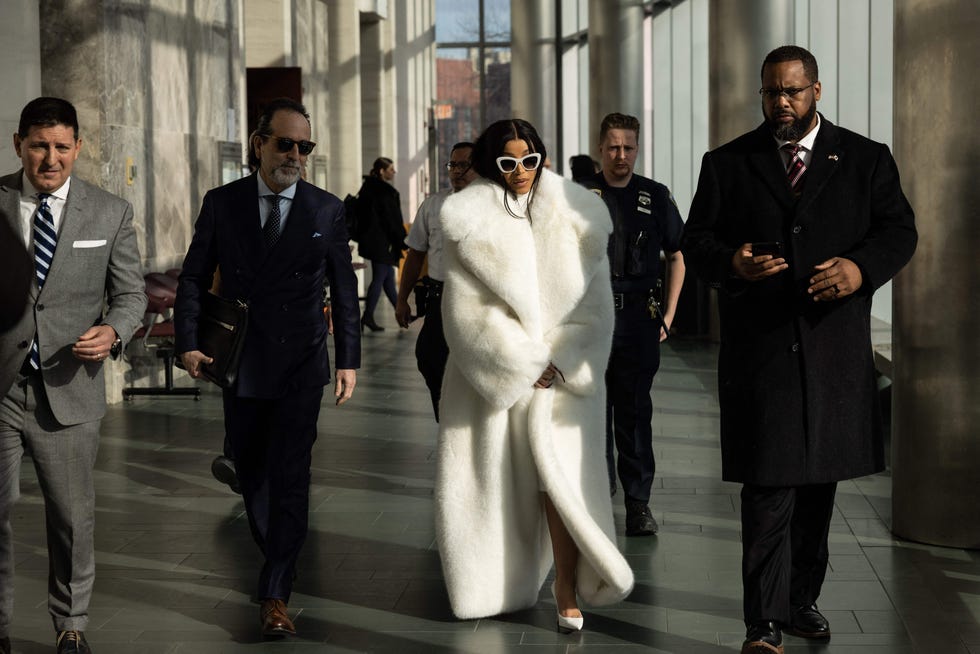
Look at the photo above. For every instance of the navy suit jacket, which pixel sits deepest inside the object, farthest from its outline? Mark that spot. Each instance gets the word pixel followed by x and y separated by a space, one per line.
pixel 286 341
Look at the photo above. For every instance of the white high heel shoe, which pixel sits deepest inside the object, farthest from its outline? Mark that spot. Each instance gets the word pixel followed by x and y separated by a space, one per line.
pixel 566 625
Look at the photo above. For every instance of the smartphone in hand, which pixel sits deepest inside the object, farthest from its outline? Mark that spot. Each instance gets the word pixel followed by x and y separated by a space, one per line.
pixel 775 248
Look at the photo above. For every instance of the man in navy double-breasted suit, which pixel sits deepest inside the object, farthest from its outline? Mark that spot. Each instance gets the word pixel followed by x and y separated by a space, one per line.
pixel 797 223
pixel 275 240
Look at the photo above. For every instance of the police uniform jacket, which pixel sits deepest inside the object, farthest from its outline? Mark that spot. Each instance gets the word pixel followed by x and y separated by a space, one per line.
pixel 645 221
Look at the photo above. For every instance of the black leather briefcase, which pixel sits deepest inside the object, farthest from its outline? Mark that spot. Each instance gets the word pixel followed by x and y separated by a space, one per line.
pixel 221 328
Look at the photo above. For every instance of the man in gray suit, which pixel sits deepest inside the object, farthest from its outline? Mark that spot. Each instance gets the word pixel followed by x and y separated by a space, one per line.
pixel 87 299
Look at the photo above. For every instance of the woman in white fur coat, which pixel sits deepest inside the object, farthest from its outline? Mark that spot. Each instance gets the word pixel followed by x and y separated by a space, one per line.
pixel 528 316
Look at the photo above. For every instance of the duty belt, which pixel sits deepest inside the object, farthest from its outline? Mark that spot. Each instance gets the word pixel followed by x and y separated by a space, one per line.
pixel 433 287
pixel 621 300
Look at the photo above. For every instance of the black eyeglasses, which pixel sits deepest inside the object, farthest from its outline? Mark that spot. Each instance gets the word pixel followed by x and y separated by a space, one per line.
pixel 528 162
pixel 790 93
pixel 461 166
pixel 286 145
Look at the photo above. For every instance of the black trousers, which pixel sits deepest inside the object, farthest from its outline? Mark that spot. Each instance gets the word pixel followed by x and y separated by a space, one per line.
pixel 784 548
pixel 272 441
pixel 431 350
pixel 633 362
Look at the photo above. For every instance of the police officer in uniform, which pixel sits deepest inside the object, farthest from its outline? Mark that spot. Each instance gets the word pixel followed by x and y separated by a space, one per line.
pixel 645 221
pixel 425 240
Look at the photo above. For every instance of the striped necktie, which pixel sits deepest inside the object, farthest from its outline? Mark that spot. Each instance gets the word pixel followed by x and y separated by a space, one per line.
pixel 272 225
pixel 796 167
pixel 45 242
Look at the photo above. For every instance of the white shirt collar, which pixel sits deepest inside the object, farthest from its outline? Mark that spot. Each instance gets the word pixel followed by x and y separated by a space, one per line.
pixel 28 190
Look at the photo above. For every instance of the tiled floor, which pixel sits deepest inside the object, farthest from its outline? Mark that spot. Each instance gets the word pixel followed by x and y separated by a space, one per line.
pixel 176 563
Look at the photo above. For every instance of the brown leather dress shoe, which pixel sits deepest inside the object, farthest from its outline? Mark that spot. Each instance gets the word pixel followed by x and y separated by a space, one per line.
pixel 275 621
pixel 763 638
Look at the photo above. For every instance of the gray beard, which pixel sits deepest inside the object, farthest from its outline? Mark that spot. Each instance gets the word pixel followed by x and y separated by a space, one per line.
pixel 285 176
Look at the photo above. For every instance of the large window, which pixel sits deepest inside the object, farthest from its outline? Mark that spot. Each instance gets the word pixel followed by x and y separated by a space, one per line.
pixel 472 70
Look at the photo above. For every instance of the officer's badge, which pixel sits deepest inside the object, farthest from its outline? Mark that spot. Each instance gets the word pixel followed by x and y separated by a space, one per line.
pixel 644 200
pixel 597 191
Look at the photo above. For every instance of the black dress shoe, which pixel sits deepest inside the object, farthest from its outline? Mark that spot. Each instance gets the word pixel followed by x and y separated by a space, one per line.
pixel 4 646
pixel 72 642
pixel 223 470
pixel 763 638
pixel 807 622
pixel 370 324
pixel 639 520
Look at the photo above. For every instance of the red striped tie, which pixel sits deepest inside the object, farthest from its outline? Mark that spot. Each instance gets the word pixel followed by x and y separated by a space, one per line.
pixel 796 167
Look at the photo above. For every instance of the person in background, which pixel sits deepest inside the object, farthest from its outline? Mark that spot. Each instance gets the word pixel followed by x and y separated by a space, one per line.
pixel 382 235
pixel 583 167
pixel 527 314
pixel 276 238
pixel 425 240
pixel 86 301
pixel 796 223
pixel 645 222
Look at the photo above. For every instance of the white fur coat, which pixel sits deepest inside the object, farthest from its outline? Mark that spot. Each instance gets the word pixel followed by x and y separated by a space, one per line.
pixel 517 296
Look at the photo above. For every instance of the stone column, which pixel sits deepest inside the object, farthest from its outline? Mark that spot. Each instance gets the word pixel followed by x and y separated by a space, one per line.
pixel 615 62
pixel 533 76
pixel 741 35
pixel 20 47
pixel 936 346
pixel 344 96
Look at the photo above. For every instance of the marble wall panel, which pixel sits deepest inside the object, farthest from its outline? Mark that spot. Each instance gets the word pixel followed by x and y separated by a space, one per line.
pixel 121 143
pixel 170 88
pixel 126 98
pixel 173 210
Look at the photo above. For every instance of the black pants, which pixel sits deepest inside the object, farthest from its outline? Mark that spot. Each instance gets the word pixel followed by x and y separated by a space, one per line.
pixel 784 548
pixel 633 362
pixel 431 350
pixel 272 442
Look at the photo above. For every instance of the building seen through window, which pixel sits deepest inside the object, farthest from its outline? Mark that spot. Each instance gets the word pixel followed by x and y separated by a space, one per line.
pixel 472 70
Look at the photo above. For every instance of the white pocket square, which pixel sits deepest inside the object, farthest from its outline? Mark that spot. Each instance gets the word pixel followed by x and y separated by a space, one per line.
pixel 317 234
pixel 89 244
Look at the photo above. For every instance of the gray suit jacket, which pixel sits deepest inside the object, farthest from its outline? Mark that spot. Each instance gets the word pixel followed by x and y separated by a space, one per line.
pixel 95 278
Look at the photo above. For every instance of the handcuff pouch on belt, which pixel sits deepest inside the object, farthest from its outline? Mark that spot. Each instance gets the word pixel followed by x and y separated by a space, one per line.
pixel 427 292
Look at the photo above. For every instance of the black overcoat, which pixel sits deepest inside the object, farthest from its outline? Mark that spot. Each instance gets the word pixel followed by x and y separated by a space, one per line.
pixel 381 229
pixel 796 378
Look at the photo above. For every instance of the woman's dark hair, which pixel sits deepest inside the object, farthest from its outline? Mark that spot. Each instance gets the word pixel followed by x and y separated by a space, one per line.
pixel 381 163
pixel 490 145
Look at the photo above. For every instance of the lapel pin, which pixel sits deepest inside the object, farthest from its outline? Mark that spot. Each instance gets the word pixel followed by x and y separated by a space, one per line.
pixel 832 156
